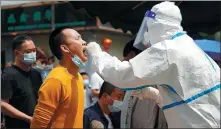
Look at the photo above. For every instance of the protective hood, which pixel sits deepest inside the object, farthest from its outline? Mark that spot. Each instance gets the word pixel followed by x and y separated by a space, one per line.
pixel 162 22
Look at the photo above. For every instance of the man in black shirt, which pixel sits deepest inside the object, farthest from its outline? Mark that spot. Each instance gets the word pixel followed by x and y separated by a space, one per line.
pixel 20 84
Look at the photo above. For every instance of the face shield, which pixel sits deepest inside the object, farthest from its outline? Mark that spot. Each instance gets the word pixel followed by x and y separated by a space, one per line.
pixel 142 41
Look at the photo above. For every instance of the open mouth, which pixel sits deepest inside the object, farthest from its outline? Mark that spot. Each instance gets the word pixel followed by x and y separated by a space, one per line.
pixel 85 52
pixel 84 49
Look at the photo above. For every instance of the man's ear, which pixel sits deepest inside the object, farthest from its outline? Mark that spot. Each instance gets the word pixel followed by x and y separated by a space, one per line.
pixel 133 54
pixel 64 48
pixel 16 53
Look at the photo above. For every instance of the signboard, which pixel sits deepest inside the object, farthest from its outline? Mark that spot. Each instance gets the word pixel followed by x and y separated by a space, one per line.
pixel 27 18
pixel 39 17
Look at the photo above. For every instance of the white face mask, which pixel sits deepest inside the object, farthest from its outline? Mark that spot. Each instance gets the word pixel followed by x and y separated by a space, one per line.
pixel 116 107
pixel 29 58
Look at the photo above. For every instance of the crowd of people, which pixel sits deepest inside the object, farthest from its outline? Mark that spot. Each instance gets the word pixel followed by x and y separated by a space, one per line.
pixel 98 96
pixel 162 86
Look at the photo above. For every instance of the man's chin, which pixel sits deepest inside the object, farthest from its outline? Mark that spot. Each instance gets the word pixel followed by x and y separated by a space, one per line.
pixel 84 59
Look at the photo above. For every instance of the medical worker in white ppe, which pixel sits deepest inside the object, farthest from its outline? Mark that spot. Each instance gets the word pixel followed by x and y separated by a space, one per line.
pixel 188 79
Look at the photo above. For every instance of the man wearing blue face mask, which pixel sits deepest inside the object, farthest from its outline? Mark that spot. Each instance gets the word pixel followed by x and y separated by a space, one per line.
pixel 44 69
pixel 40 65
pixel 49 66
pixel 87 90
pixel 47 69
pixel 20 84
pixel 106 112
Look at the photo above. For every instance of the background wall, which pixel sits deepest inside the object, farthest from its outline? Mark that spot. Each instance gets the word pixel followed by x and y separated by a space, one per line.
pixel 41 40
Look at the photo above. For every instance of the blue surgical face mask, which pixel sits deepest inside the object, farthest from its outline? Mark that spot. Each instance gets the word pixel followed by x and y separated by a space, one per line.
pixel 48 67
pixel 78 61
pixel 116 107
pixel 44 74
pixel 86 82
pixel 38 67
pixel 29 58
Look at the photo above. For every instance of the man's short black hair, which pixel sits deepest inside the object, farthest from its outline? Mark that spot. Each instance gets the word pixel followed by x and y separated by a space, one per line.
pixel 19 40
pixel 129 47
pixel 106 88
pixel 83 73
pixel 55 40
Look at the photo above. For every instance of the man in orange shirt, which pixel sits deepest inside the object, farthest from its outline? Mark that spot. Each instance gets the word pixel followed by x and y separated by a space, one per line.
pixel 61 96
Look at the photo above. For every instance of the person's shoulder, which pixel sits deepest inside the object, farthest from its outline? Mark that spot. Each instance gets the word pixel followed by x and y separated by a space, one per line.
pixel 93 117
pixel 32 70
pixel 10 71
pixel 52 85
pixel 52 81
pixel 58 76
pixel 91 111
pixel 60 73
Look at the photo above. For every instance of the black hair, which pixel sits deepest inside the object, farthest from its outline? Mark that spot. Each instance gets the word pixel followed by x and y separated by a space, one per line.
pixel 52 58
pixel 129 47
pixel 106 88
pixel 83 73
pixel 19 40
pixel 55 40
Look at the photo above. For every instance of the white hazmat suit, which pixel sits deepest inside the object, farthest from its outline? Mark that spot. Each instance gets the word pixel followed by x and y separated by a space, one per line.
pixel 188 79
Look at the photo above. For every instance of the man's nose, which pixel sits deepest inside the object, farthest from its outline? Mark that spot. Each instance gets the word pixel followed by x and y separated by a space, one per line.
pixel 84 43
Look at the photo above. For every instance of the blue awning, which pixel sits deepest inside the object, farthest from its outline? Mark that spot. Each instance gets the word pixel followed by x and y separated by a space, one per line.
pixel 211 47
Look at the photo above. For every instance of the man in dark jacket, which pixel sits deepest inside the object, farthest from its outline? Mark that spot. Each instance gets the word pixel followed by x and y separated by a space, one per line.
pixel 106 112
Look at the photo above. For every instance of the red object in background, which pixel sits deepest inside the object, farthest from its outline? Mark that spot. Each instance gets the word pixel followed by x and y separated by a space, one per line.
pixel 106 44
pixel 14 33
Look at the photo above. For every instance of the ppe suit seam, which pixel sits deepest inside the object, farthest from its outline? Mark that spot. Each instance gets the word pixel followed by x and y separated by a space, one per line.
pixel 210 62
pixel 210 90
pixel 167 56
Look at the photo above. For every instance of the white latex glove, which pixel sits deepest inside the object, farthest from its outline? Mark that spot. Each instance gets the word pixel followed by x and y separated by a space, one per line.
pixel 149 93
pixel 93 48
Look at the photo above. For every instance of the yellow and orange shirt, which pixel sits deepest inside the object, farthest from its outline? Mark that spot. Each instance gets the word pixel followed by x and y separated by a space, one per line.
pixel 61 101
